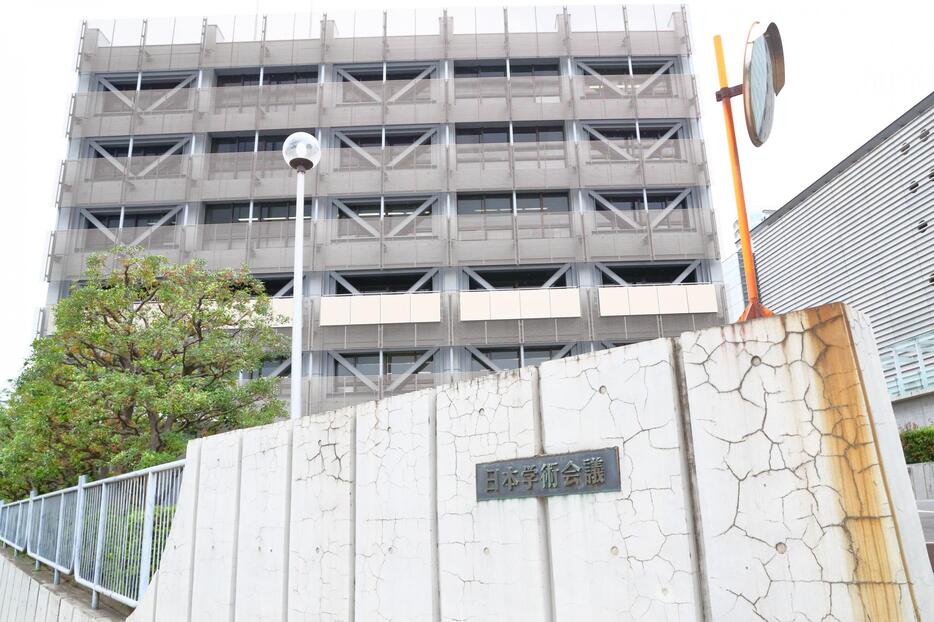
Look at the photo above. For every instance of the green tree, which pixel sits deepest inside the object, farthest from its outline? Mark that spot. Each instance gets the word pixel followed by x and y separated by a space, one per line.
pixel 144 356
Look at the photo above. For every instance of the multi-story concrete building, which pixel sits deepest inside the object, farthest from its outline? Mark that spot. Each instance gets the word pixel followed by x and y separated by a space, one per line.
pixel 863 234
pixel 497 188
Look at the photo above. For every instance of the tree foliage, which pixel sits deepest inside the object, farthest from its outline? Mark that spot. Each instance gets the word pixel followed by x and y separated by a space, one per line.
pixel 144 356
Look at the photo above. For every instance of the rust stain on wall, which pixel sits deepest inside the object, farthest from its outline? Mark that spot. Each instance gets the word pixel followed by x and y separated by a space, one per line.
pixel 849 451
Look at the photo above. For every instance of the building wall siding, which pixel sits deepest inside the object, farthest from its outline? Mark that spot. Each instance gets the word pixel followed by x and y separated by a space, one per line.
pixel 856 240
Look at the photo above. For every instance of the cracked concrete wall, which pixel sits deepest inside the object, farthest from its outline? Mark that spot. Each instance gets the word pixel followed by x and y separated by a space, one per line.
pixel 761 479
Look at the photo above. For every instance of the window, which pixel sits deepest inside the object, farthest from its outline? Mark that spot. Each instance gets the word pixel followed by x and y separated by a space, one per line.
pixel 233 154
pixel 154 91
pixel 275 210
pixel 267 368
pixel 110 221
pixel 394 210
pixel 402 207
pixel 631 205
pixel 290 87
pixel 542 134
pixel 495 69
pixel 611 73
pixel 237 79
pixel 401 362
pixel 647 274
pixel 140 220
pixel 399 78
pixel 679 218
pixel 397 210
pixel 95 239
pixel 350 227
pixel 537 68
pixel 353 160
pixel 503 358
pixel 653 79
pixel 539 146
pixel 484 216
pixel 482 145
pixel 233 144
pixel 366 363
pixel 271 142
pixel 401 155
pixel 481 135
pixel 272 285
pixel 236 90
pixel 536 80
pixel 613 143
pixel 383 282
pixel 147 154
pixel 102 168
pixel 515 278
pixel 480 80
pixel 226 213
pixel 543 215
pixel 352 93
pixel 273 78
pixel 657 149
pixel 542 202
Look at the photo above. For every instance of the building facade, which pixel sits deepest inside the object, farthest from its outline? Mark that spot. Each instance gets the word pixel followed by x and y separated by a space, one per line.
pixel 864 234
pixel 498 187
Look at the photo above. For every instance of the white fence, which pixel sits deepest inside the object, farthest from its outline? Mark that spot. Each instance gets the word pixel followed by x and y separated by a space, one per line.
pixel 108 534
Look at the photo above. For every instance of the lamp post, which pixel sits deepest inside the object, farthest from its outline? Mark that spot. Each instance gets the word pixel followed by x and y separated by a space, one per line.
pixel 302 152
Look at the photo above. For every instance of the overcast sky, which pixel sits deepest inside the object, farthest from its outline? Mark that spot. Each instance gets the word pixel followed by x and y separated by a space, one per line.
pixel 850 72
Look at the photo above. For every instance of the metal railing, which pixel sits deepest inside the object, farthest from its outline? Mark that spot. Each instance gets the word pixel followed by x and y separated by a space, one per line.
pixel 909 365
pixel 109 534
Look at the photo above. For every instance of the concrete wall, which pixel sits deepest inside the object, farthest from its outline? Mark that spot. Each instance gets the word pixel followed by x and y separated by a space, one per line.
pixel 762 478
pixel 27 596
pixel 922 480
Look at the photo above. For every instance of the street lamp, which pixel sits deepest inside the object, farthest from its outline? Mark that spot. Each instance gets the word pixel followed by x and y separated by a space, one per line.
pixel 302 152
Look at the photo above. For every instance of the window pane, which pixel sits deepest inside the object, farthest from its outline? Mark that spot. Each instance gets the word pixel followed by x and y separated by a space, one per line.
pixel 555 203
pixel 501 204
pixel 469 205
pixel 528 203
pixel 551 134
pixel 468 136
pixel 496 135
pixel 217 214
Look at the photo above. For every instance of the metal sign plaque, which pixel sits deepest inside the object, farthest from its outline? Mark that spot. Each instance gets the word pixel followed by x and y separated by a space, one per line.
pixel 579 472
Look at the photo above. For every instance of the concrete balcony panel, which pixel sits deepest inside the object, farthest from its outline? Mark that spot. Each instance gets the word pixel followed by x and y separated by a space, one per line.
pixel 282 308
pixel 613 321
pixel 499 317
pixel 656 300
pixel 472 100
pixel 541 98
pixel 668 96
pixel 519 304
pixel 678 234
pixel 391 242
pixel 363 309
pixel 629 164
pixel 418 320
